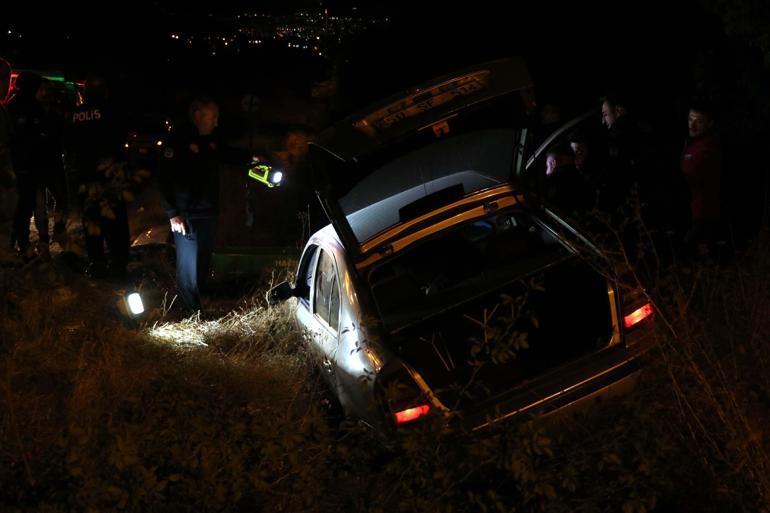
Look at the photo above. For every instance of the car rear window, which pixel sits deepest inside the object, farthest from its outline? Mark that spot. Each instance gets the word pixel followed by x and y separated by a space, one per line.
pixel 469 151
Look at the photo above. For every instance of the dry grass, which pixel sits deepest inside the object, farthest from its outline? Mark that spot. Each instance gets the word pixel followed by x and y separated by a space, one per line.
pixel 249 332
pixel 75 378
pixel 222 414
pixel 715 355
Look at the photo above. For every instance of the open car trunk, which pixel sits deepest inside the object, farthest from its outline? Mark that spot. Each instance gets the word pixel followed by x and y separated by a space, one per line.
pixel 501 304
pixel 421 149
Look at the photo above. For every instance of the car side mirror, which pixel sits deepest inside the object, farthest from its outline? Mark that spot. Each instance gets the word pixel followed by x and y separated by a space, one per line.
pixel 280 293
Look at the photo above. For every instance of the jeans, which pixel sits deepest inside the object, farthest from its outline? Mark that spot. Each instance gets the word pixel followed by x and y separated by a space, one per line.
pixel 193 258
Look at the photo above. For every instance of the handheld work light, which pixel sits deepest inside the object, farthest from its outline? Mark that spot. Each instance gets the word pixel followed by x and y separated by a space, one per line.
pixel 266 174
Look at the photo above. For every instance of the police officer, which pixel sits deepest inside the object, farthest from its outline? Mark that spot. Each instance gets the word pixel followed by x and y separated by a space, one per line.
pixel 189 181
pixel 95 166
pixel 27 137
pixel 7 175
pixel 51 155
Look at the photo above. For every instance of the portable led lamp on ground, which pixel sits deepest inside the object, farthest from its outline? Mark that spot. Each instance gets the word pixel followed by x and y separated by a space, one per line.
pixel 266 174
pixel 135 304
pixel 131 304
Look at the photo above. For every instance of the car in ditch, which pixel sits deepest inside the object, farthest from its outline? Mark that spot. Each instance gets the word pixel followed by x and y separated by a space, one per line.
pixel 439 287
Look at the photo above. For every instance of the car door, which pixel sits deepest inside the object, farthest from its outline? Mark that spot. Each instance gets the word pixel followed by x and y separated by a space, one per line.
pixel 322 316
pixel 308 323
pixel 326 303
pixel 532 176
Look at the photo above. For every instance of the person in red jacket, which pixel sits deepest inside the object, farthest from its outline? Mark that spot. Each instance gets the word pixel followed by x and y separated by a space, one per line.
pixel 701 165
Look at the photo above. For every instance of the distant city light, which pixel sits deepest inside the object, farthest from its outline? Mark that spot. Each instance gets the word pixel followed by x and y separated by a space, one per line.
pixel 316 32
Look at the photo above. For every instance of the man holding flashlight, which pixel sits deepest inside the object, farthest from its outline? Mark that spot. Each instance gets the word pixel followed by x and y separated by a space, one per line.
pixel 189 183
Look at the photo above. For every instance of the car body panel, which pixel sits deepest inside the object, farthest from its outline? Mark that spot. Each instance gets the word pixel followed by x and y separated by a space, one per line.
pixel 346 355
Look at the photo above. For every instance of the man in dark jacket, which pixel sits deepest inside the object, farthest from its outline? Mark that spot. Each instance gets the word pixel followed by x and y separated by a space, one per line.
pixel 566 188
pixel 624 142
pixel 28 135
pixel 7 175
pixel 189 181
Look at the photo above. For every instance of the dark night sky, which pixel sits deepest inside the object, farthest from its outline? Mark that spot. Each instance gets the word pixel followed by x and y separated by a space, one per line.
pixel 576 52
pixel 586 47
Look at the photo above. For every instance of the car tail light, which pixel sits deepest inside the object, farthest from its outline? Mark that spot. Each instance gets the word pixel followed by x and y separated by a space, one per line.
pixel 401 396
pixel 411 414
pixel 638 315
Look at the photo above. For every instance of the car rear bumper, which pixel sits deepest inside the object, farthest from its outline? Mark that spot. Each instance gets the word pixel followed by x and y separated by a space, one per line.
pixel 613 374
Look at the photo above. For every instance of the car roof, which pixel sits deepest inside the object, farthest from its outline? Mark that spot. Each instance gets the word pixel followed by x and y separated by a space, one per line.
pixel 325 235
